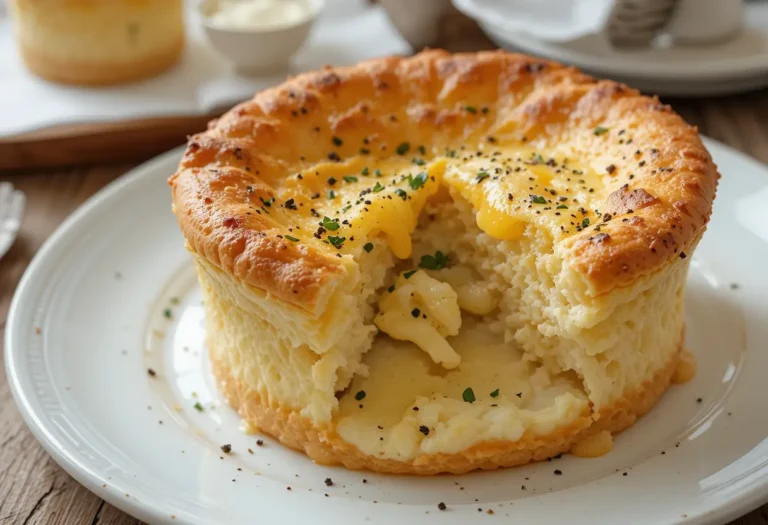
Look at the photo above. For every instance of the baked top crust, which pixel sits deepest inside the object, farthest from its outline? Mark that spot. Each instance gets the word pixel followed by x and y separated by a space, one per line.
pixel 621 181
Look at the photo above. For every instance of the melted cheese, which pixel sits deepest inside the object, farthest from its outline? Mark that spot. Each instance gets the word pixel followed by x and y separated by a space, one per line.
pixel 510 186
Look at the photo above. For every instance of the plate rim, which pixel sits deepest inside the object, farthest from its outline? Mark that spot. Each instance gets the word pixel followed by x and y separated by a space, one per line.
pixel 736 506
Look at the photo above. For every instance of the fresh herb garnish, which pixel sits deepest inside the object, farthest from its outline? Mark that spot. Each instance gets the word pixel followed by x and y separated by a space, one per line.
pixel 368 247
pixel 365 151
pixel 267 202
pixel 198 406
pixel 468 395
pixel 291 238
pixel 495 393
pixel 418 181
pixel 364 171
pixel 377 188
pixel 377 172
pixel 418 161
pixel 336 241
pixel 337 141
pixel 470 109
pixel 537 199
pixel 346 208
pixel 401 193
pixel 561 207
pixel 360 395
pixel 391 289
pixel 167 313
pixel 350 178
pixel 434 262
pixel 538 159
pixel 482 175
pixel 330 224
pixel 403 148
pixel 600 130
pixel 408 274
pixel 331 194
pixel 585 222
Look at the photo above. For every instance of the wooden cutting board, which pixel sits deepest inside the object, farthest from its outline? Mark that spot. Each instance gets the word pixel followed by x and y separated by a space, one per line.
pixel 97 143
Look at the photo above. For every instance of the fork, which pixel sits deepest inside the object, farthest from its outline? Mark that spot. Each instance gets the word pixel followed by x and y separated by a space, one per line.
pixel 11 211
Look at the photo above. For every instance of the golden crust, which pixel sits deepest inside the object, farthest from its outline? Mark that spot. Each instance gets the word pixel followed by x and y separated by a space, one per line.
pixel 324 446
pixel 243 156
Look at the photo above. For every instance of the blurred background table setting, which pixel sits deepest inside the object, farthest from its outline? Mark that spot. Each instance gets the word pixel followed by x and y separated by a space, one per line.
pixel 80 108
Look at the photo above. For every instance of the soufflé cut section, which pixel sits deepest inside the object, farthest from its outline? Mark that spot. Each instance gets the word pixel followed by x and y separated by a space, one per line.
pixel 445 262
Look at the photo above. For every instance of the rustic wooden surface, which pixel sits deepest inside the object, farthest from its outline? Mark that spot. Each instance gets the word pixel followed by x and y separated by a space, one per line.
pixel 33 489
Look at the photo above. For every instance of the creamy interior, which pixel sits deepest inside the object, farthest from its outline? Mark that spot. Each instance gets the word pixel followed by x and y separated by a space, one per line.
pixel 409 405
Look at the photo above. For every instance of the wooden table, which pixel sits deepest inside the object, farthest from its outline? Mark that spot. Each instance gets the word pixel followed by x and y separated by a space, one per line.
pixel 34 490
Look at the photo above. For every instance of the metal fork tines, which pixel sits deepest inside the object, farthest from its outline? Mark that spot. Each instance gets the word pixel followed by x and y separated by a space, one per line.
pixel 11 211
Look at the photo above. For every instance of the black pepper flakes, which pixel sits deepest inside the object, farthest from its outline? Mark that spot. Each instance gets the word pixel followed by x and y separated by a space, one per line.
pixel 328 482
pixel 226 448
pixel 424 430
pixel 441 506
pixel 151 372
pixel 558 472
pixel 259 442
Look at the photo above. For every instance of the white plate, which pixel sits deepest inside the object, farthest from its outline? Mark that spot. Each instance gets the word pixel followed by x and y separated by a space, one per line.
pixel 737 65
pixel 89 319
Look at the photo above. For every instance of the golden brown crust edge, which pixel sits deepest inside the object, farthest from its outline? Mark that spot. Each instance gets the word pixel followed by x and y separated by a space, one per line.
pixel 289 127
pixel 324 446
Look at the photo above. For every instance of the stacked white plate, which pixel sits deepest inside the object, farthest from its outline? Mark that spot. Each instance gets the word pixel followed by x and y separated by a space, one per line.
pixel 732 66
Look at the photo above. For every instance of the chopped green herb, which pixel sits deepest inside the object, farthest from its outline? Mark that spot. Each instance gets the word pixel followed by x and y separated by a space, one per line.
pixel 470 109
pixel 434 262
pixel 365 171
pixel 290 238
pixel 365 151
pixel 337 141
pixel 198 406
pixel 495 393
pixel 175 300
pixel 418 161
pixel 336 241
pixel 401 193
pixel 377 188
pixel 267 202
pixel 482 175
pixel 403 148
pixel 391 289
pixel 377 172
pixel 167 313
pixel 561 207
pixel 585 222
pixel 451 153
pixel 346 208
pixel 538 159
pixel 422 150
pixel 409 273
pixel 468 395
pixel 418 181
pixel 368 247
pixel 600 130
pixel 330 224
pixel 331 194
pixel 360 395
pixel 350 178
pixel 537 199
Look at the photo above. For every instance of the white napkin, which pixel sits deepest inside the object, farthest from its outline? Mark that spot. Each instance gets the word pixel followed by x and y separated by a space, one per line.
pixel 551 20
pixel 346 32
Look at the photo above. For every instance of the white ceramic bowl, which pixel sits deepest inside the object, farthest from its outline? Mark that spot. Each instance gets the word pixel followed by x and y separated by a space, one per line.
pixel 258 50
